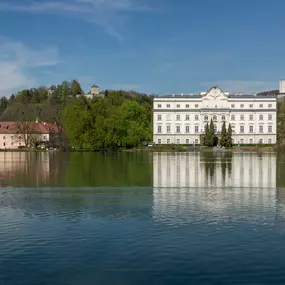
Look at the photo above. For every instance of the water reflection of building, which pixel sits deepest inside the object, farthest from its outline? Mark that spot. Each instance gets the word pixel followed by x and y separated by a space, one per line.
pixel 214 170
pixel 214 187
pixel 24 168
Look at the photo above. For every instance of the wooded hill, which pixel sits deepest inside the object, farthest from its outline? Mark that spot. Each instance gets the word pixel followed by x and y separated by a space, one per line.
pixel 119 119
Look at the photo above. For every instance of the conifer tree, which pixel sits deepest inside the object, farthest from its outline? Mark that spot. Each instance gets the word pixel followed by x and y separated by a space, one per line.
pixel 224 136
pixel 211 134
pixel 207 136
pixel 229 137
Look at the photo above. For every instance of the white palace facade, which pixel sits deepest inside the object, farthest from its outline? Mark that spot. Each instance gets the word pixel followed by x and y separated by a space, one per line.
pixel 181 119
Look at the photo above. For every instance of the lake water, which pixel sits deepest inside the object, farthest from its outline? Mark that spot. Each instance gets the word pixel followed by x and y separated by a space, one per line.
pixel 142 218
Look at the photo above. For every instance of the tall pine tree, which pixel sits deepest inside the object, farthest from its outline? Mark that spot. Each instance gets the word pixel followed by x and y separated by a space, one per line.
pixel 207 136
pixel 224 136
pixel 229 137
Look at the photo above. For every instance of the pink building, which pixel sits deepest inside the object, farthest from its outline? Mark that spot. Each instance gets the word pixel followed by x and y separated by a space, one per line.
pixel 14 134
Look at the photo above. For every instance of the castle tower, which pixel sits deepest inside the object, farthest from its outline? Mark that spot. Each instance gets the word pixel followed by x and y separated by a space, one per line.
pixel 95 90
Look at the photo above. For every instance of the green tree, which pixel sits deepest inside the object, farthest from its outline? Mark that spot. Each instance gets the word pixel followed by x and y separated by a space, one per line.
pixel 224 136
pixel 76 88
pixel 229 140
pixel 207 136
pixel 211 140
pixel 281 124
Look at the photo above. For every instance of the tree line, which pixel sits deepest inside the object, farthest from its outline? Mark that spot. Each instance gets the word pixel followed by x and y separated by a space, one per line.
pixel 210 138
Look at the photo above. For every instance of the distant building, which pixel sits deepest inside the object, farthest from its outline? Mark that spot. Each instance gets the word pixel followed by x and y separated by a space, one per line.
pixel 93 93
pixel 11 136
pixel 181 119
pixel 281 95
pixel 282 86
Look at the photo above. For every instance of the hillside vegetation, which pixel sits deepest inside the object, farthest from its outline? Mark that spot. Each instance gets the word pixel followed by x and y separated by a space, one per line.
pixel 119 119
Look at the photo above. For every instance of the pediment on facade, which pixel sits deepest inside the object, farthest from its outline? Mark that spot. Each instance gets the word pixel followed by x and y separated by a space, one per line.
pixel 215 93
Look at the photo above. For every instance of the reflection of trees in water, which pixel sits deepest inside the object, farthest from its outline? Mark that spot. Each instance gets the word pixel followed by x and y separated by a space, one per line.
pixel 36 169
pixel 280 172
pixel 213 159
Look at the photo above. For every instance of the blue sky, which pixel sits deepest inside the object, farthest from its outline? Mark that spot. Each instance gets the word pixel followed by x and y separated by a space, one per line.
pixel 152 46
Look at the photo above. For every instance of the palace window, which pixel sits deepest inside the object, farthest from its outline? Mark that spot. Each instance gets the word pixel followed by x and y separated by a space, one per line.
pixel 177 129
pixel 241 129
pixel 251 141
pixel 242 117
pixel 261 141
pixel 196 118
pixel 215 118
pixel 269 117
pixel 233 117
pixel 168 141
pixel 159 106
pixel 159 129
pixel 168 129
pixel 251 129
pixel 168 105
pixel 260 105
pixel 223 118
pixel 206 118
pixel 159 141
pixel 260 117
pixel 233 105
pixel 187 141
pixel 270 129
pixel 261 129
pixel 251 117
pixel 242 141
pixel 178 106
pixel 196 129
pixel 159 117
pixel 187 117
pixel 270 141
pixel 178 141
pixel 177 117
pixel 196 141
pixel 196 105
pixel 241 105
pixel 187 105
pixel 269 105
pixel 4 138
pixel 250 105
pixel 187 129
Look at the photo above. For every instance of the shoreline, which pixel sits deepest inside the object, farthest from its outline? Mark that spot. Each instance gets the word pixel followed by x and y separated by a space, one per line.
pixel 162 149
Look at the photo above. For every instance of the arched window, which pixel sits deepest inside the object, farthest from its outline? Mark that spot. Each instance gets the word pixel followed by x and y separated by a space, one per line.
pixel 206 118
pixel 215 118
pixel 223 118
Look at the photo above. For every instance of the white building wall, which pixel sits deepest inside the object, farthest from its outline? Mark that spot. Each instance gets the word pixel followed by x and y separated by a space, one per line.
pixel 190 115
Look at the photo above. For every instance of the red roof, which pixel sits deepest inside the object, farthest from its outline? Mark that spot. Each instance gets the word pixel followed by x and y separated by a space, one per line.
pixel 42 128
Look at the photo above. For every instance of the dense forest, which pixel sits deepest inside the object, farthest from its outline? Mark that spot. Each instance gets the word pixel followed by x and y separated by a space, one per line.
pixel 119 119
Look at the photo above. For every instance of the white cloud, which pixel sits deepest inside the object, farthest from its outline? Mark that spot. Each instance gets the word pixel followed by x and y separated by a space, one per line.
pixel 16 63
pixel 110 14
pixel 241 85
